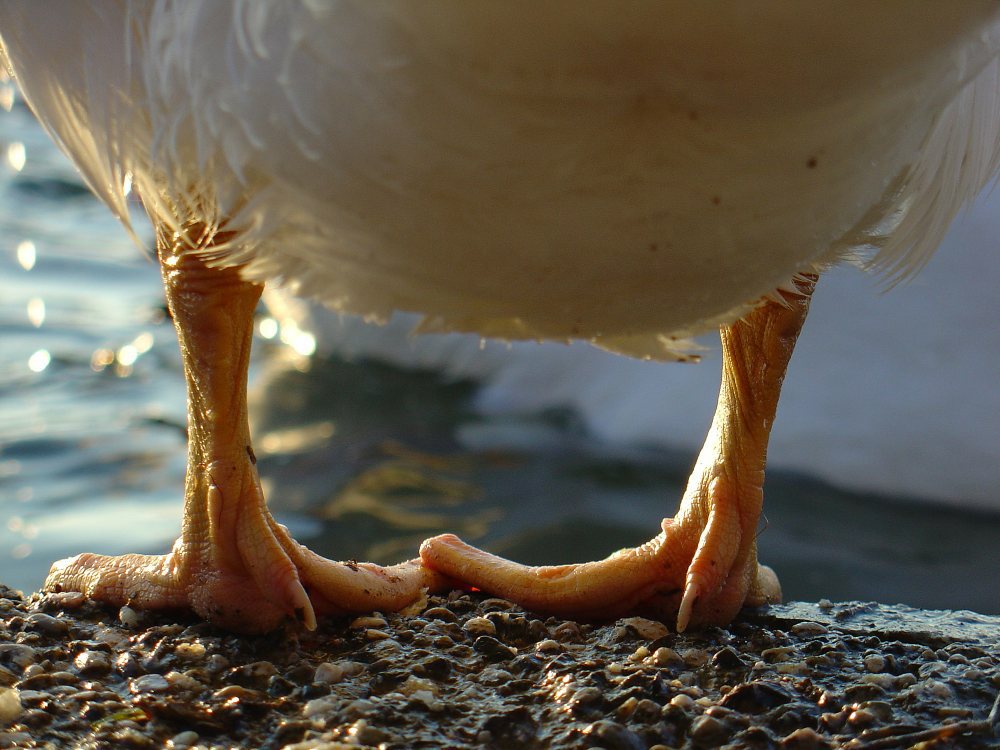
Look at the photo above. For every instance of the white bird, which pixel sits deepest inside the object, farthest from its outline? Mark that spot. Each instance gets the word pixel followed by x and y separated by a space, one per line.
pixel 628 174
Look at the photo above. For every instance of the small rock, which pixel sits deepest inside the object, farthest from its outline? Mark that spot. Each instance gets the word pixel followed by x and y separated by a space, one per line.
pixel 149 683
pixel 514 729
pixel 682 701
pixel 182 741
pixel 129 617
pixel 755 697
pixel 190 652
pixel 368 621
pixel 331 672
pixel 645 628
pixel 93 663
pixel 568 632
pixel 46 624
pixel 362 734
pixel 10 705
pixel 664 657
pixel 320 707
pixel 492 648
pixel 440 613
pixel 695 657
pixel 809 628
pixel 874 663
pixel 727 660
pixel 804 739
pixel 239 692
pixel 614 736
pixel 479 626
pixel 708 731
pixel 17 654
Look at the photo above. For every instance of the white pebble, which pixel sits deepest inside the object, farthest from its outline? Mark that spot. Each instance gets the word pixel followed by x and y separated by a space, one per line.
pixel 128 617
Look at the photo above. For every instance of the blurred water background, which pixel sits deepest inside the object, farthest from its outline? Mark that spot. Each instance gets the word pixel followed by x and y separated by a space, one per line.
pixel 363 459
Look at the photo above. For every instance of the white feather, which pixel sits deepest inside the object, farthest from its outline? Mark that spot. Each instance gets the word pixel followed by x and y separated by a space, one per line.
pixel 628 174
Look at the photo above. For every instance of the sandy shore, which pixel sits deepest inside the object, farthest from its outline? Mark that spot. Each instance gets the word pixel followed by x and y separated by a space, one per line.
pixel 471 671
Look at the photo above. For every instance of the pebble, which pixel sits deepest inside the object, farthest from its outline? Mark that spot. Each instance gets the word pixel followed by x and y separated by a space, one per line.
pixel 331 672
pixel 708 731
pixel 93 663
pixel 17 654
pixel 129 617
pixel 479 626
pixel 875 663
pixel 665 657
pixel 644 628
pixel 43 623
pixel 368 621
pixel 809 628
pixel 190 652
pixel 182 741
pixel 10 705
pixel 612 735
pixel 804 738
pixel 149 683
pixel 440 613
pixel 682 701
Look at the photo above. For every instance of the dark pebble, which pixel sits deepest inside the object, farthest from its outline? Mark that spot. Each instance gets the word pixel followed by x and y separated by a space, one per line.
pixel 492 649
pixel 755 697
pixel 727 660
pixel 513 730
pixel 612 735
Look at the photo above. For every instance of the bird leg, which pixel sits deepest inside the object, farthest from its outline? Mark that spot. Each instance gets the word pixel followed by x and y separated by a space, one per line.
pixel 702 568
pixel 233 563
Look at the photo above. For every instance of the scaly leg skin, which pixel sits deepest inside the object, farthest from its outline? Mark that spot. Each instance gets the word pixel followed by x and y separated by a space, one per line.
pixel 233 564
pixel 703 567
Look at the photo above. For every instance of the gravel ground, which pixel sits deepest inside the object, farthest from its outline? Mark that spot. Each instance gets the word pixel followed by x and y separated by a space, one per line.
pixel 470 671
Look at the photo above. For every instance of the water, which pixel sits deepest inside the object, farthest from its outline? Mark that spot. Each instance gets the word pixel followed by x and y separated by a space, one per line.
pixel 361 460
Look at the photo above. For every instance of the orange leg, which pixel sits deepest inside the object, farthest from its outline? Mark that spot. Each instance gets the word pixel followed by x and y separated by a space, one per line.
pixel 703 567
pixel 233 564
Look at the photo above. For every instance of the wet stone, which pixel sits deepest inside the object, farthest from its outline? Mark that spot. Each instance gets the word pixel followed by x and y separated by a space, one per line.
pixel 150 683
pixel 614 736
pixel 93 663
pixel 493 649
pixel 727 660
pixel 707 731
pixel 47 624
pixel 755 697
pixel 440 613
pixel 511 730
